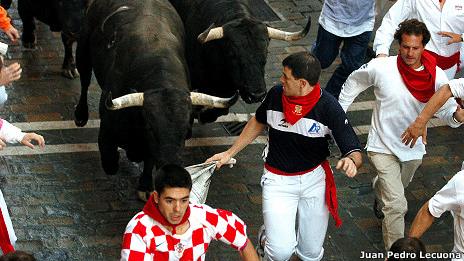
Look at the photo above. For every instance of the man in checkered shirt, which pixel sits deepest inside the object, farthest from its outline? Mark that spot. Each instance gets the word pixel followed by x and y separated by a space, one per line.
pixel 169 228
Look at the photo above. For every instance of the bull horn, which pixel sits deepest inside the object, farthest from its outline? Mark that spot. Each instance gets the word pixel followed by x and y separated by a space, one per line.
pixel 212 33
pixel 128 100
pixel 202 99
pixel 288 36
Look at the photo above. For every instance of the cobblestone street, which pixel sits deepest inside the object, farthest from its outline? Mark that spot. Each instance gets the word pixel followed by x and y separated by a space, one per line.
pixel 64 207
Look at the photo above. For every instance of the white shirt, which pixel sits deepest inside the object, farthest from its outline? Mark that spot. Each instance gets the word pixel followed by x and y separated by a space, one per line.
pixel 395 107
pixel 451 198
pixel 342 29
pixel 457 87
pixel 10 133
pixel 450 19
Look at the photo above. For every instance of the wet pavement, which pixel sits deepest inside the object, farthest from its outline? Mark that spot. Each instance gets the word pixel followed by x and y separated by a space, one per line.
pixel 64 207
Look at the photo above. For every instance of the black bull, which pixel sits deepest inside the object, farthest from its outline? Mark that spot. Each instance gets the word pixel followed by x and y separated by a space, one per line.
pixel 60 15
pixel 136 49
pixel 136 46
pixel 231 56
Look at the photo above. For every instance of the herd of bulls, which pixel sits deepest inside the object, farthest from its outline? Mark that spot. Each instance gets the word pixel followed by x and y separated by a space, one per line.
pixel 166 62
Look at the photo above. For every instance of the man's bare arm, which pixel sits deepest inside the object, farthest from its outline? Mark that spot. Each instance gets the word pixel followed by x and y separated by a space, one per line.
pixel 418 127
pixel 422 221
pixel 249 133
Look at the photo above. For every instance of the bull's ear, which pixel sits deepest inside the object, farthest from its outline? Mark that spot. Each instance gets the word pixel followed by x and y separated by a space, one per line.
pixel 211 33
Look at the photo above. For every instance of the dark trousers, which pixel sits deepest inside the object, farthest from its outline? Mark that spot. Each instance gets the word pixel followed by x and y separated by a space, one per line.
pixel 326 49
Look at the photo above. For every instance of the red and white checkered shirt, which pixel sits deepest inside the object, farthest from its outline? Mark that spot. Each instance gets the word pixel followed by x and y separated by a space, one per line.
pixel 147 239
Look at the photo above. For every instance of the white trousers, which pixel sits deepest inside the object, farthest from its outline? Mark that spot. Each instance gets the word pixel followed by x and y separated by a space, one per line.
pixel 295 215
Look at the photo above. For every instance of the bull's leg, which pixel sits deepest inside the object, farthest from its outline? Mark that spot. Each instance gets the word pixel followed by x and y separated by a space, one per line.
pixel 81 113
pixel 84 65
pixel 28 36
pixel 108 151
pixel 146 187
pixel 69 66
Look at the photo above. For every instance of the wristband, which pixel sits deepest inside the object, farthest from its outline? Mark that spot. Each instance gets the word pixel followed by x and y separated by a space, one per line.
pixel 352 160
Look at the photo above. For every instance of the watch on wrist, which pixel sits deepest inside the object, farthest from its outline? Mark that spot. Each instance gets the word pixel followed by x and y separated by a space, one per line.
pixel 456 120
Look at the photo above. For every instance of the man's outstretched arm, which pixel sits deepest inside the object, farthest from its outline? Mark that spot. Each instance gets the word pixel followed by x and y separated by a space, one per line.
pixel 248 135
pixel 418 127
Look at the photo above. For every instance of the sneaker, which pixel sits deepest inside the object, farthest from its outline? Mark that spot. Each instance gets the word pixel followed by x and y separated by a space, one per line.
pixel 261 242
pixel 377 209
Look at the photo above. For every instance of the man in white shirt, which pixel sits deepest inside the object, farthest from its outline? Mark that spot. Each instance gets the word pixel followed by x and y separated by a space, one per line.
pixel 449 198
pixel 402 85
pixel 443 18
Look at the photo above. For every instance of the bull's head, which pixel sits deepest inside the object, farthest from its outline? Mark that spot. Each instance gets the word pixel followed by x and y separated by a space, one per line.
pixel 167 114
pixel 245 42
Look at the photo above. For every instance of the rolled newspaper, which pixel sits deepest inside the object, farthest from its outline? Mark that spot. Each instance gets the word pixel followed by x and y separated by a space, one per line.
pixel 201 178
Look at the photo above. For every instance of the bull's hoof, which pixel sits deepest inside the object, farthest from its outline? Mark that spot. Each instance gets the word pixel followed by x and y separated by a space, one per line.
pixel 110 166
pixel 80 123
pixel 81 116
pixel 144 195
pixel 70 73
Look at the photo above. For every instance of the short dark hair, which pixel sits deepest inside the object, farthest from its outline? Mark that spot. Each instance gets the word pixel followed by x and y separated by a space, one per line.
pixel 407 245
pixel 172 176
pixel 413 27
pixel 17 256
pixel 304 65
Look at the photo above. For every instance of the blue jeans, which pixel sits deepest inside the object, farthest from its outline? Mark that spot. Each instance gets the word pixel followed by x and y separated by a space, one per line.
pixel 326 49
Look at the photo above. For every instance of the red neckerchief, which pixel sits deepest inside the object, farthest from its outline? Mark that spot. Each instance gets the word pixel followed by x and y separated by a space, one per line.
pixel 421 84
pixel 331 193
pixel 446 62
pixel 5 243
pixel 152 210
pixel 295 107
